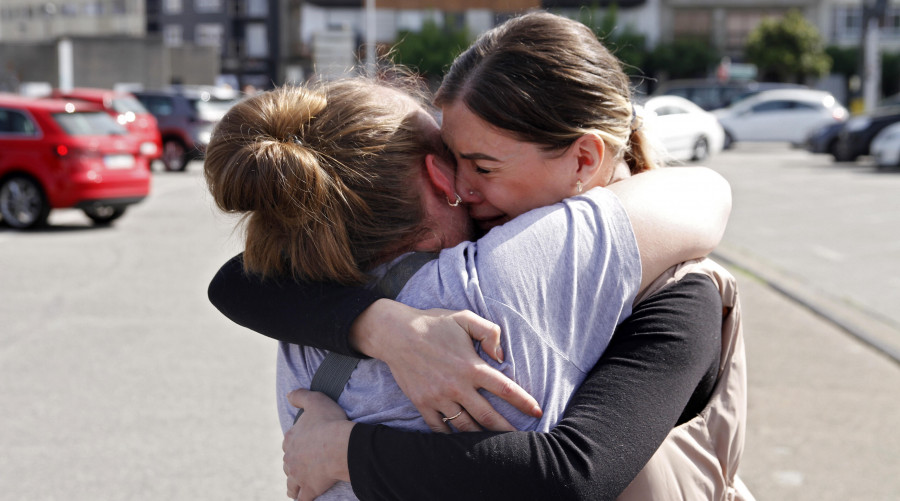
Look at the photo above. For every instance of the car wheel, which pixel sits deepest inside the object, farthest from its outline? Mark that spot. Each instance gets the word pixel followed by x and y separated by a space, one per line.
pixel 174 155
pixel 841 153
pixel 729 141
pixel 700 150
pixel 22 203
pixel 104 214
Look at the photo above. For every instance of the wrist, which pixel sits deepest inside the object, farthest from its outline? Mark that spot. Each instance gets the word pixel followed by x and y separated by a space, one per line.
pixel 370 333
pixel 339 449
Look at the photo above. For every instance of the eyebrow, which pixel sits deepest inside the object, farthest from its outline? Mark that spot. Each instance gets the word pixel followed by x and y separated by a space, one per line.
pixel 477 156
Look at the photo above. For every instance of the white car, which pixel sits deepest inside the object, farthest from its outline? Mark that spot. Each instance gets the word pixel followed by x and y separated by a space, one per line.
pixel 780 115
pixel 885 147
pixel 681 129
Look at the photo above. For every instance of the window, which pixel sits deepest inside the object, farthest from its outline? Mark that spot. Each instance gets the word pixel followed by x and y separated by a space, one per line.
pixel 773 106
pixel 172 6
pixel 257 43
pixel 694 23
pixel 14 122
pixel 160 106
pixel 173 35
pixel 257 8
pixel 669 110
pixel 208 6
pixel 891 27
pixel 209 34
pixel 94 123
pixel 739 24
pixel 805 106
pixel 848 22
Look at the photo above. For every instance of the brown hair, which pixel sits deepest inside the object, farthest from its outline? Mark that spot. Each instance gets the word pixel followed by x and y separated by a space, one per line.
pixel 325 177
pixel 548 80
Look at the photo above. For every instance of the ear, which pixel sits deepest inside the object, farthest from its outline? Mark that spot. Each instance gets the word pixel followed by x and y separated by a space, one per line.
pixel 589 151
pixel 440 175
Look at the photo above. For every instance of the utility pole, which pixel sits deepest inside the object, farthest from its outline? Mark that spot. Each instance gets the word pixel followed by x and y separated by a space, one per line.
pixel 370 37
pixel 871 61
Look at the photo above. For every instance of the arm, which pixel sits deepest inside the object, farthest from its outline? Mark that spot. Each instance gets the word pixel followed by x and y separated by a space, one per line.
pixel 309 313
pixel 655 374
pixel 677 213
pixel 335 317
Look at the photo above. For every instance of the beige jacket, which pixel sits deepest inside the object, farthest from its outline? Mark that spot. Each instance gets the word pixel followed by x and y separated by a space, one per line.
pixel 699 459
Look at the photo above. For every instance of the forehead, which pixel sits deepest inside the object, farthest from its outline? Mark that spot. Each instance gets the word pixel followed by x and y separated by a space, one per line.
pixel 467 133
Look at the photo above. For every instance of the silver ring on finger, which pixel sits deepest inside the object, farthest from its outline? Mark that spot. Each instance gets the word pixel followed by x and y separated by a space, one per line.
pixel 451 418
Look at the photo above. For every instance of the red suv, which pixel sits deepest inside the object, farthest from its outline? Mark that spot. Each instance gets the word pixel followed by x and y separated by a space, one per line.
pixel 127 111
pixel 56 153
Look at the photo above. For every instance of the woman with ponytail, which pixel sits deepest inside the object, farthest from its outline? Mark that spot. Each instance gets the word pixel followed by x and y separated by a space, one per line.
pixel 535 112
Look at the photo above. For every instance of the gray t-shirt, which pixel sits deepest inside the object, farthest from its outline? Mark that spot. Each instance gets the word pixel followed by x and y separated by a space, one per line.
pixel 557 280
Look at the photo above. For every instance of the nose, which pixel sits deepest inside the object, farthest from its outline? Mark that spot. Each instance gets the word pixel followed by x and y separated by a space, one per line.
pixel 466 191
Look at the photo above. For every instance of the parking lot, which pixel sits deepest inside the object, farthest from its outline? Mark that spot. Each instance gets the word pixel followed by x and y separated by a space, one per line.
pixel 121 381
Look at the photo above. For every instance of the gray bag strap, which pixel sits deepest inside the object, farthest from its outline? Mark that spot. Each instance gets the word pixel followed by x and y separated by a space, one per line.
pixel 332 375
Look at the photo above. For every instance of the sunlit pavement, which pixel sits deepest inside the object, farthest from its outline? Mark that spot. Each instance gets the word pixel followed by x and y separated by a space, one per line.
pixel 122 382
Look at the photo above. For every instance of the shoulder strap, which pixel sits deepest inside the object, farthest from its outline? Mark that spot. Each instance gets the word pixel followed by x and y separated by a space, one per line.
pixel 332 375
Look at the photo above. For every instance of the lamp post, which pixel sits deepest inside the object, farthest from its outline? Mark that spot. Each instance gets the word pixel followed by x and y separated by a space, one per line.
pixel 370 37
pixel 871 73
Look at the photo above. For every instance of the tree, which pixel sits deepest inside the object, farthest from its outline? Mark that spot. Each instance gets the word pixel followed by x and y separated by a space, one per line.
pixel 430 50
pixel 683 58
pixel 789 49
pixel 626 43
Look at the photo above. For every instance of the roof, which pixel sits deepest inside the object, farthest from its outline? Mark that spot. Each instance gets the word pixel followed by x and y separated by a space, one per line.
pixel 88 93
pixel 45 104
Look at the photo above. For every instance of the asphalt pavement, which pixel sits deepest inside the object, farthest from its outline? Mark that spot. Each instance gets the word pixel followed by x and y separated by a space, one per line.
pixel 823 405
pixel 119 381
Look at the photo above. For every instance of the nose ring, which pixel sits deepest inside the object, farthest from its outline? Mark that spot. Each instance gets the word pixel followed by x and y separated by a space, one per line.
pixel 471 192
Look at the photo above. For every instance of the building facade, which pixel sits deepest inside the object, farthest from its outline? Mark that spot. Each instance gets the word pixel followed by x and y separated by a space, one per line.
pixel 38 21
pixel 245 34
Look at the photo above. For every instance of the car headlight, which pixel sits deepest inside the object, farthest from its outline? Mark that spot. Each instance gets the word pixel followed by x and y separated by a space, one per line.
pixel 858 123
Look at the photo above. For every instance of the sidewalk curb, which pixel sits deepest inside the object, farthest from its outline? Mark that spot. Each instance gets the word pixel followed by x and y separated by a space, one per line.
pixel 878 333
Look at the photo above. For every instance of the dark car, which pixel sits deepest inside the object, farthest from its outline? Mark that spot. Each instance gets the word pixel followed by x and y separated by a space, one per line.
pixel 712 94
pixel 57 153
pixel 855 138
pixel 186 117
pixel 824 139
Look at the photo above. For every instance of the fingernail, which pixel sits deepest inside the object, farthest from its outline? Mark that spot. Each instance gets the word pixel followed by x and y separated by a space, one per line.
pixel 536 411
pixel 498 352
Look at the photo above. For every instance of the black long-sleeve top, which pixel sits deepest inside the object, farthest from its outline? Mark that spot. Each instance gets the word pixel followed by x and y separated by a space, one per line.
pixel 657 372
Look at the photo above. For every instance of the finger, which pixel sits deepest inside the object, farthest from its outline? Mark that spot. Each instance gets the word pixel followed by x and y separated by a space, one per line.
pixel 464 422
pixel 497 383
pixel 485 331
pixel 298 397
pixel 435 421
pixel 293 489
pixel 483 414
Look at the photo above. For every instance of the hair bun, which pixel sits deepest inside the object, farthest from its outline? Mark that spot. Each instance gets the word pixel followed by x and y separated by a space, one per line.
pixel 256 164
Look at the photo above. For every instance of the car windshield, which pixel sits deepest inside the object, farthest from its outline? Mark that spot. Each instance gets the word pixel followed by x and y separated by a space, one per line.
pixel 126 104
pixel 213 110
pixel 88 123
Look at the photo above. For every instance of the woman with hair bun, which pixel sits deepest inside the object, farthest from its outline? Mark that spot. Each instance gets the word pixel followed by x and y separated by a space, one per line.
pixel 676 361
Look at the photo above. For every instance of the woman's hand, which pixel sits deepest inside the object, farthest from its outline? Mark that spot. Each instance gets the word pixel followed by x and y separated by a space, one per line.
pixel 431 356
pixel 315 448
